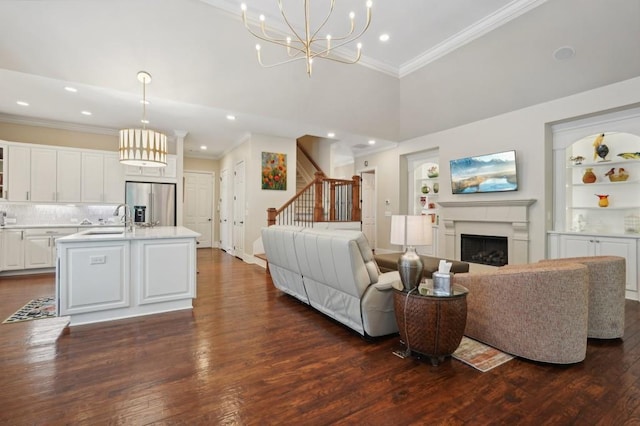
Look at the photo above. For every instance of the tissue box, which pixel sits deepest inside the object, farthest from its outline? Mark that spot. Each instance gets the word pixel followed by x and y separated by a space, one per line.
pixel 442 283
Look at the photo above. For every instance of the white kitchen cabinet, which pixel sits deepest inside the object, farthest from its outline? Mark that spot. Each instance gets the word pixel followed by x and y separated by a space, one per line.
pixel 37 251
pixel 102 178
pixel 169 171
pixel 43 175
pixel 12 249
pixel 92 177
pixel 68 176
pixel 579 245
pixel 113 183
pixel 164 270
pixel 94 278
pixel 19 173
pixel 3 171
pixel 31 248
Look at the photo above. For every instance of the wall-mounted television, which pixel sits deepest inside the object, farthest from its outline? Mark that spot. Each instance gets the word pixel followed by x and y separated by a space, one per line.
pixel 484 173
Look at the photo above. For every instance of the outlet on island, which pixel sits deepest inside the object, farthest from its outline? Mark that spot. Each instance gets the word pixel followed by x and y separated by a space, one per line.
pixel 97 260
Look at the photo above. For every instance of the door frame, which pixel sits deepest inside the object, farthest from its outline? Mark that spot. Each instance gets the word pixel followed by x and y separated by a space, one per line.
pixel 360 172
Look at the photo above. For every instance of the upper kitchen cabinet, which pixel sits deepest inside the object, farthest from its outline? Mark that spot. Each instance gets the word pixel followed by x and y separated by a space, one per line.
pixel 68 176
pixel 169 172
pixel 102 178
pixel 3 177
pixel 42 177
pixel 19 173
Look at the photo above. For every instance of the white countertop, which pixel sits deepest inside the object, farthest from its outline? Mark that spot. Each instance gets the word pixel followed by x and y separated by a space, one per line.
pixel 66 225
pixel 158 232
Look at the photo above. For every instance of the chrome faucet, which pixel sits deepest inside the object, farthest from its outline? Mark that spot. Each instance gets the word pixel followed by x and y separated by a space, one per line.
pixel 128 219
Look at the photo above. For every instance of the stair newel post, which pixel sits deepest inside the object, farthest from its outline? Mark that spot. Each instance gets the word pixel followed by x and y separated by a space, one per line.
pixel 355 199
pixel 318 211
pixel 272 212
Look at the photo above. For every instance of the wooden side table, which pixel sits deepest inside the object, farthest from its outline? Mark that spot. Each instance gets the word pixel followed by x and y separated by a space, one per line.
pixel 431 324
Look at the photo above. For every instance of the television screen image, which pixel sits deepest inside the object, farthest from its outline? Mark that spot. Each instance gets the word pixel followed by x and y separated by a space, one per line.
pixel 484 173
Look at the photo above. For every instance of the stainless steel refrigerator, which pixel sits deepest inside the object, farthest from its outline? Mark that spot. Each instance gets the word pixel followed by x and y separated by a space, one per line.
pixel 152 202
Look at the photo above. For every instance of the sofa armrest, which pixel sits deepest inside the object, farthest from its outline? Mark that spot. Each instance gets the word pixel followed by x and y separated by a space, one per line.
pixel 386 280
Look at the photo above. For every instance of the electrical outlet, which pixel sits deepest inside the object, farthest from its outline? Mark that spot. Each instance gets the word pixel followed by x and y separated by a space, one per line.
pixel 97 260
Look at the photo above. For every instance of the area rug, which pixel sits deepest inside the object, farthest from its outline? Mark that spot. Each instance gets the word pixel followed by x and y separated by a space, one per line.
pixel 480 356
pixel 42 307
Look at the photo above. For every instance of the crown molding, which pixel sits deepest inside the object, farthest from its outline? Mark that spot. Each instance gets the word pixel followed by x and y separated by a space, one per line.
pixel 500 17
pixel 58 125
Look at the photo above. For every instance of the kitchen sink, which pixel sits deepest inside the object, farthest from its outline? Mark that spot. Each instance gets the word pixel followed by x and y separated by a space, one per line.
pixel 111 231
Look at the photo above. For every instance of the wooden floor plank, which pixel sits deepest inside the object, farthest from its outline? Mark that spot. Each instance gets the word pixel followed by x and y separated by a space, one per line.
pixel 248 354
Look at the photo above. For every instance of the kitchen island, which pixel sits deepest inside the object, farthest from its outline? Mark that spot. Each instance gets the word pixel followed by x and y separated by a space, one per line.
pixel 109 273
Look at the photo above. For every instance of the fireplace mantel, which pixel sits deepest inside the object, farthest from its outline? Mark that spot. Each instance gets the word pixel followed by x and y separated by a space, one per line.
pixel 500 203
pixel 509 218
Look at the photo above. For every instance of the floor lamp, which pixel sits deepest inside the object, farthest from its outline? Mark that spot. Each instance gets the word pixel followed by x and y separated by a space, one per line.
pixel 411 231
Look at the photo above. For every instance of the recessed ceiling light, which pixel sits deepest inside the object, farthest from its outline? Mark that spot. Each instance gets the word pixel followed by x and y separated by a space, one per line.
pixel 144 121
pixel 372 142
pixel 231 117
pixel 331 135
pixel 86 112
pixel 563 53
pixel 384 37
pixel 203 147
pixel 144 102
pixel 70 89
pixel 22 103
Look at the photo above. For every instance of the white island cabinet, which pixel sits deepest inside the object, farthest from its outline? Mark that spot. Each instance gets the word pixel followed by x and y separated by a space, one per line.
pixel 108 274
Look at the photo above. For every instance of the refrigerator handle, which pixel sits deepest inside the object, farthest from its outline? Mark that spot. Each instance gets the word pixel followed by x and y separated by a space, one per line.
pixel 151 218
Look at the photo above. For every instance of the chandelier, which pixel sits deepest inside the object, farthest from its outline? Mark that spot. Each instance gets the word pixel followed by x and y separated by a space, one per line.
pixel 311 43
pixel 143 147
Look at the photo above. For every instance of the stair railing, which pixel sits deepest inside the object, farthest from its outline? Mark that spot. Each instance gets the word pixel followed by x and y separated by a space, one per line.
pixel 322 200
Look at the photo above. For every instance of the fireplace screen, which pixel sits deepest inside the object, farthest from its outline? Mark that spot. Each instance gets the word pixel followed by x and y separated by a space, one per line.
pixel 485 249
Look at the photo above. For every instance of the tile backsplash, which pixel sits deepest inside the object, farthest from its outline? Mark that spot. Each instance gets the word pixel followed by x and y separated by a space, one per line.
pixel 58 214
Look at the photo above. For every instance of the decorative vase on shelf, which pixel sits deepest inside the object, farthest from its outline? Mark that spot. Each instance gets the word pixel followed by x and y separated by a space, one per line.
pixel 589 176
pixel 436 187
pixel 425 189
pixel 432 172
pixel 603 200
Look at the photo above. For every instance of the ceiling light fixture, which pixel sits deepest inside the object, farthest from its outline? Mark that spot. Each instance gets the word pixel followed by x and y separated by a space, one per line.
pixel 22 103
pixel 331 135
pixel 372 142
pixel 231 117
pixel 143 147
pixel 85 112
pixel 309 44
pixel 70 89
pixel 384 37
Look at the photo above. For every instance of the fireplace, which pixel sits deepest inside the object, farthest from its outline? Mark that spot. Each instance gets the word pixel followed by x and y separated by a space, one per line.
pixel 485 249
pixel 508 218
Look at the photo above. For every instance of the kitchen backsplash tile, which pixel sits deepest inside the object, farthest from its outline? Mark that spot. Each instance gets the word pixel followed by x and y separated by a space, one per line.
pixel 50 214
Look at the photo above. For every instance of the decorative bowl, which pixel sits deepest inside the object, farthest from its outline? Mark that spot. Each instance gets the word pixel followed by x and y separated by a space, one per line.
pixel 618 178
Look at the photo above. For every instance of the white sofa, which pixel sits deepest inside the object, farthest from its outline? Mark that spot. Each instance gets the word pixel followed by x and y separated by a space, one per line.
pixel 334 272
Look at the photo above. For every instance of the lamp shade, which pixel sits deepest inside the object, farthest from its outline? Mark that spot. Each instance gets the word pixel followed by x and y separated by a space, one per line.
pixel 143 147
pixel 411 230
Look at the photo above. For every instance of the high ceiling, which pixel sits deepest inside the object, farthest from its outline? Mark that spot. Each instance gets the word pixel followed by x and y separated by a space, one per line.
pixel 445 64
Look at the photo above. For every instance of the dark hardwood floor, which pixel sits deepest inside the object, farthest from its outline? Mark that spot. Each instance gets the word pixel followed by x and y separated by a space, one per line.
pixel 248 354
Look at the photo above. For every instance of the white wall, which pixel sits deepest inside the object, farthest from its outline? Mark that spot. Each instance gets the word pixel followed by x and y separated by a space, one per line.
pixel 525 130
pixel 257 200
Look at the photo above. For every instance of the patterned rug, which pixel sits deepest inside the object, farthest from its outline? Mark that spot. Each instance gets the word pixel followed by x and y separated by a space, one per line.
pixel 480 356
pixel 42 307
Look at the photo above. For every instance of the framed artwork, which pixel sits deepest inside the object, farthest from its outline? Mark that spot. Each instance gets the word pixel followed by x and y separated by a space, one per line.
pixel 274 171
pixel 484 173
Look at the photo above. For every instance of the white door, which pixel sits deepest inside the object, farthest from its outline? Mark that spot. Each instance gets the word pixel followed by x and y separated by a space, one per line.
pixel 238 210
pixel 225 220
pixel 368 198
pixel 198 209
